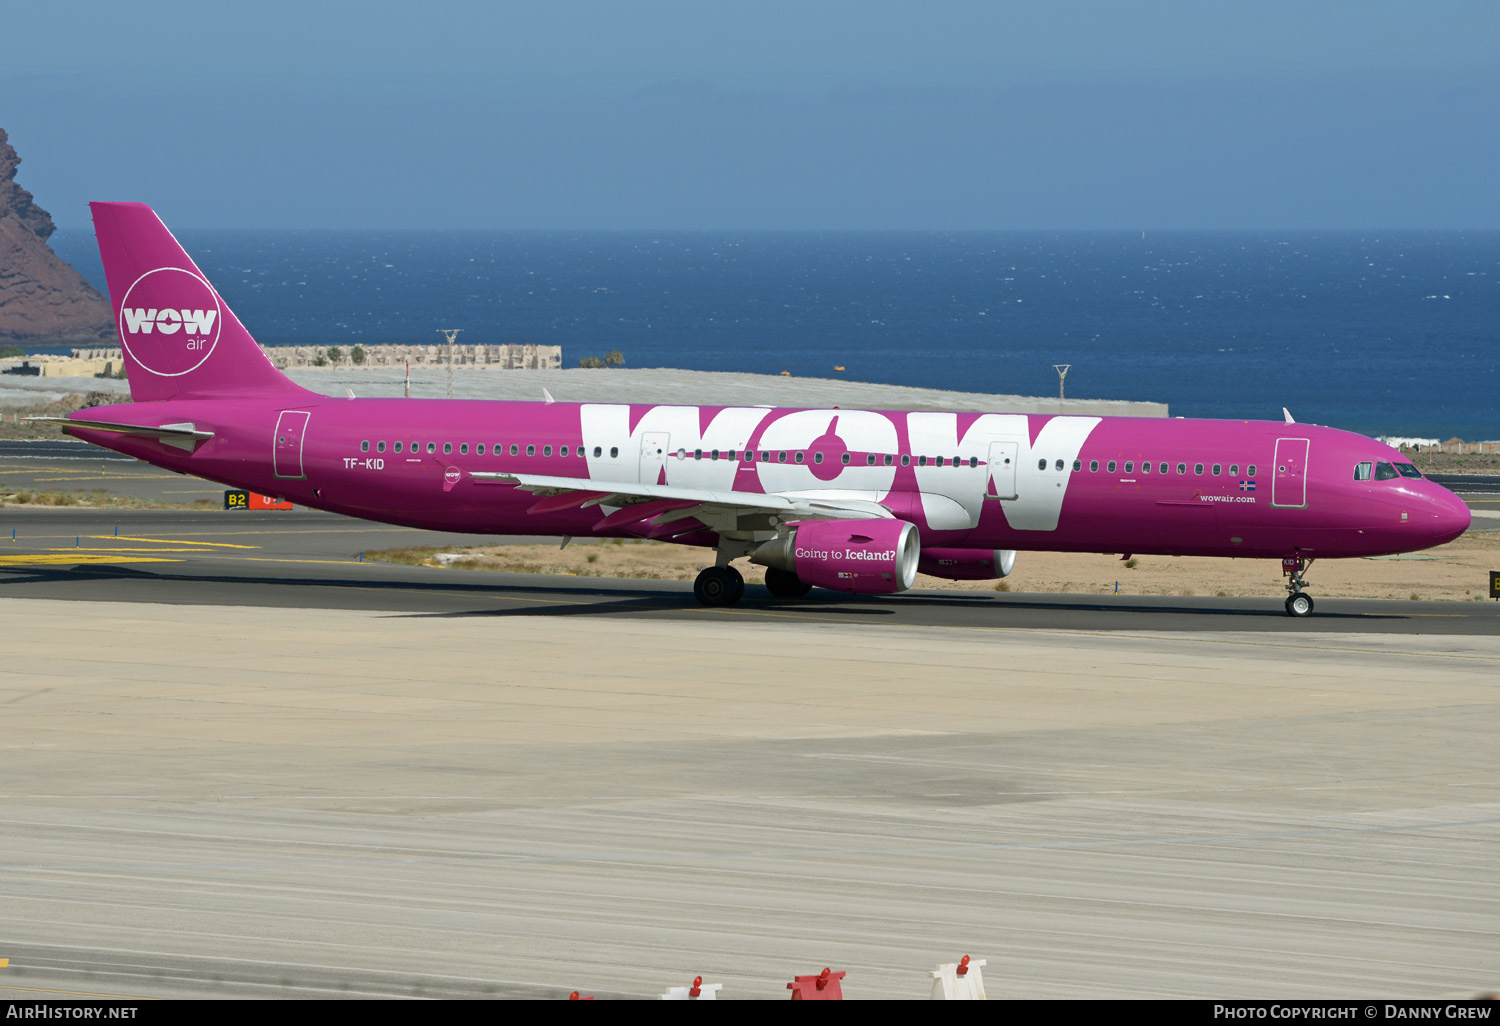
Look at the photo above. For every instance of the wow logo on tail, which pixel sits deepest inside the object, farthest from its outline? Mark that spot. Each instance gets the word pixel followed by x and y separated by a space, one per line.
pixel 170 320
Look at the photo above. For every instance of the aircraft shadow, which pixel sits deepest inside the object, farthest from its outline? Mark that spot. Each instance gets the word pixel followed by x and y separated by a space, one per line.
pixel 613 597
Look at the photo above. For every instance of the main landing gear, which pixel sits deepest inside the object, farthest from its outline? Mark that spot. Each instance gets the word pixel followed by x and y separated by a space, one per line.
pixel 723 585
pixel 719 586
pixel 1298 602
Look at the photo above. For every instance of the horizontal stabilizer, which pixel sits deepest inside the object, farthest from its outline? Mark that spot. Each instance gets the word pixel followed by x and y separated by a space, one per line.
pixel 180 436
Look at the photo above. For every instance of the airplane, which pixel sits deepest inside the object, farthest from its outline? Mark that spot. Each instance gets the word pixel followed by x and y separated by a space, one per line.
pixel 855 501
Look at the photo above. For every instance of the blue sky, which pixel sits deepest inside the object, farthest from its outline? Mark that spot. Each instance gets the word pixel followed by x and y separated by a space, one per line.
pixel 587 114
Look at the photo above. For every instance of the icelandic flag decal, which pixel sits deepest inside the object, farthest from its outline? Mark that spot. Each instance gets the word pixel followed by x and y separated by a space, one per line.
pixel 1247 486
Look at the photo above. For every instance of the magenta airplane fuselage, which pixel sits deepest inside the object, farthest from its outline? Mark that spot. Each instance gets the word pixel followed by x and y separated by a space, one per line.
pixel 853 500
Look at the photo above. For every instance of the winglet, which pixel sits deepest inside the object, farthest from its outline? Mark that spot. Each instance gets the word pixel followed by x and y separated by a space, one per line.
pixel 547 396
pixel 1288 415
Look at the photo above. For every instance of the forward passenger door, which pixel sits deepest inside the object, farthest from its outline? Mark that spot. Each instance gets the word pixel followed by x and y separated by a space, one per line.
pixel 1002 469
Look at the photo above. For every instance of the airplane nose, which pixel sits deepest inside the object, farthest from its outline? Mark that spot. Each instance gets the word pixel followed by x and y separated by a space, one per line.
pixel 1451 516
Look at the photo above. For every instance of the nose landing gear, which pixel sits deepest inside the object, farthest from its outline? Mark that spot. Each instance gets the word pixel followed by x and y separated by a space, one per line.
pixel 1298 602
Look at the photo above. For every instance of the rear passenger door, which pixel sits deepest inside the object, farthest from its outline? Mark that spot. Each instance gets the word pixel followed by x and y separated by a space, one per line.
pixel 1289 486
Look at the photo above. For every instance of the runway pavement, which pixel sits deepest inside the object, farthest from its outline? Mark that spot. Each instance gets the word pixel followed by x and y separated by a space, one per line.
pixel 313 560
pixel 237 761
pixel 222 800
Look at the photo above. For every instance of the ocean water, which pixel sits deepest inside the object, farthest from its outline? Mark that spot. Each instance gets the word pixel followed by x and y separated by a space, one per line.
pixel 1379 332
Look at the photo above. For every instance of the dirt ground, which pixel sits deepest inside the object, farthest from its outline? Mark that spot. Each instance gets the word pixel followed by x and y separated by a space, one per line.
pixel 1457 571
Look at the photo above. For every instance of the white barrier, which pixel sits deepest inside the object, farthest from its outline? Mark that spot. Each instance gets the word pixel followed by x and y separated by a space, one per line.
pixel 959 981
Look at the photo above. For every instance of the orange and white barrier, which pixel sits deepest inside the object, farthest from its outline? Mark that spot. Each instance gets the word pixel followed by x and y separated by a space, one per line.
pixel 825 986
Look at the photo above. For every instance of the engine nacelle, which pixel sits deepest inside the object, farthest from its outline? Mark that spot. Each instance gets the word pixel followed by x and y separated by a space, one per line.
pixel 867 557
pixel 967 564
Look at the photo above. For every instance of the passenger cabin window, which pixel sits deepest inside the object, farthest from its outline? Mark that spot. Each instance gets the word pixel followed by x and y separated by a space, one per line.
pixel 1250 470
pixel 479 449
pixel 447 448
pixel 1385 472
pixel 1165 468
pixel 1146 467
pixel 1218 467
pixel 1112 466
pixel 546 450
pixel 1362 471
pixel 463 448
pixel 1182 468
pixel 432 447
pixel 380 447
pixel 1130 466
pixel 614 452
pixel 364 446
pixel 531 450
pixel 515 450
pixel 870 460
pixel 921 460
pixel 597 451
pixel 563 451
pixel 396 447
pixel 1198 469
pixel 1234 470
pixel 799 456
pixel 1093 466
pixel 905 459
pixel 1077 466
pixel 1040 464
pixel 1059 464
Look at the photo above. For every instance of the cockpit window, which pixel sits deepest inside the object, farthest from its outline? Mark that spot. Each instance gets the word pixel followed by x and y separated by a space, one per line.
pixel 1384 472
pixel 1407 470
pixel 1362 471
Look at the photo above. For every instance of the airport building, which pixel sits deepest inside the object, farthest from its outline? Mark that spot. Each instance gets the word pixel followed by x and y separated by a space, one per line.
pixel 506 356
pixel 106 361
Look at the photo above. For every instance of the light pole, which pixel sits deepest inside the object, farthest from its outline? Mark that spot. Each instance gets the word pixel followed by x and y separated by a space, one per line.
pixel 452 334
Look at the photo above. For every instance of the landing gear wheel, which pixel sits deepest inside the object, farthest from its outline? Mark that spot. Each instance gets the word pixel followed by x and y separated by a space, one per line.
pixel 719 586
pixel 783 584
pixel 1299 604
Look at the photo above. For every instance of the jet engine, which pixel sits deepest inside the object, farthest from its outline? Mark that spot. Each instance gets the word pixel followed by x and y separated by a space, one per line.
pixel 867 557
pixel 967 564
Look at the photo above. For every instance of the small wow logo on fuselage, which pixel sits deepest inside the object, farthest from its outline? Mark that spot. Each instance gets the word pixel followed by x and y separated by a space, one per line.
pixel 170 321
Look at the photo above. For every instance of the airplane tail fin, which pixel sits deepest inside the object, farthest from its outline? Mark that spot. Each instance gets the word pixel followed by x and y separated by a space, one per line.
pixel 178 337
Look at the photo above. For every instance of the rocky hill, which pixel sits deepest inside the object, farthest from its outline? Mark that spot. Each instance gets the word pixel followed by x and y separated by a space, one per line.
pixel 43 301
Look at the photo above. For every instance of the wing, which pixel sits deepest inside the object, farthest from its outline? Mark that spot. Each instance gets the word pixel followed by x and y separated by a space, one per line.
pixel 668 510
